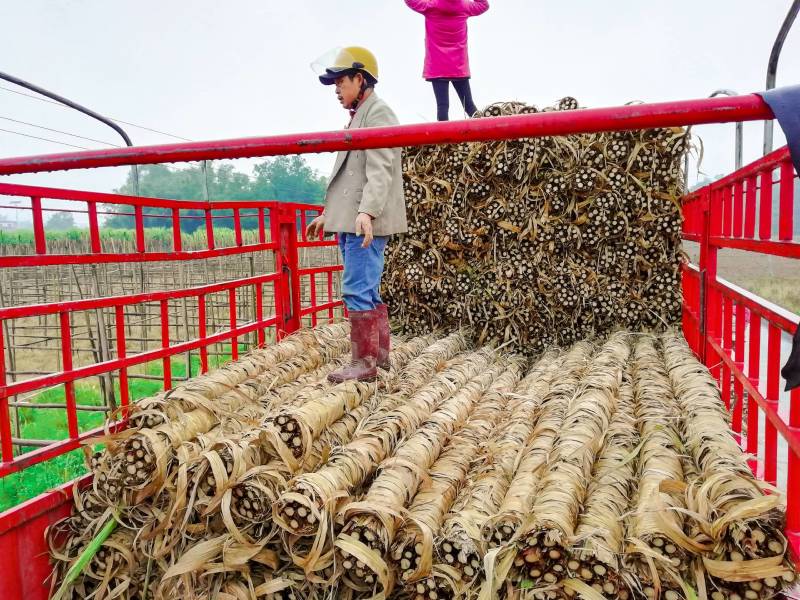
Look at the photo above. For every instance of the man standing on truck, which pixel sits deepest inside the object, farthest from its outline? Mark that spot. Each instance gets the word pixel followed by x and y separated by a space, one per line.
pixel 364 205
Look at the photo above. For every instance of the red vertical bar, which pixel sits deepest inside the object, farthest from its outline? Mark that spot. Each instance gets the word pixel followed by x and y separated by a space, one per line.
pixel 69 387
pixel 750 208
pixel 786 216
pixel 793 480
pixel 39 239
pixel 738 388
pixel 94 228
pixel 260 313
pixel 765 206
pixel 738 208
pixel 232 314
pixel 727 211
pixel 753 370
pixel 727 327
pixel 209 229
pixel 5 420
pixel 313 289
pixel 262 231
pixel 201 326
pixel 177 242
pixel 166 361
pixel 303 235
pixel 773 392
pixel 124 393
pixel 725 389
pixel 237 226
pixel 716 210
pixel 139 224
pixel 330 294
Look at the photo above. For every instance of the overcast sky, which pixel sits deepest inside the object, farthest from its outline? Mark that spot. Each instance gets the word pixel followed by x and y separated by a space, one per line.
pixel 204 69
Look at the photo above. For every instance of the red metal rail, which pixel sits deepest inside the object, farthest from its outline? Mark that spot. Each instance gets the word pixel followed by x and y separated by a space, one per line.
pixel 639 116
pixel 740 336
pixel 277 232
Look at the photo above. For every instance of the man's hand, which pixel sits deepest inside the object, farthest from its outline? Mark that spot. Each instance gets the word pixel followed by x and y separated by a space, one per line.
pixel 364 227
pixel 316 227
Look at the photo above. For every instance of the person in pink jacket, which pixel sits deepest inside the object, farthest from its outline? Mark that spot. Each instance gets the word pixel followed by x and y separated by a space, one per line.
pixel 446 53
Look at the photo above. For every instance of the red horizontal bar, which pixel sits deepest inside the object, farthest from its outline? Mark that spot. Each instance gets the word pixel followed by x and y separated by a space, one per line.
pixel 56 449
pixel 751 301
pixel 36 260
pixel 37 383
pixel 315 270
pixel 785 249
pixel 315 244
pixel 790 434
pixel 35 310
pixel 317 308
pixel 13 189
pixel 638 116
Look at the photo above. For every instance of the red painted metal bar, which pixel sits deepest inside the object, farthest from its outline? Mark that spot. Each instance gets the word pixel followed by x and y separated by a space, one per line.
pixel 201 331
pixel 765 205
pixel 773 391
pixel 750 208
pixel 94 228
pixel 6 447
pixel 177 240
pixel 139 226
pixel 312 284
pixel 738 209
pixel 209 229
pixel 739 357
pixel 793 475
pixel 232 315
pixel 67 259
pixel 119 326
pixel 39 241
pixel 260 313
pixel 66 364
pixel 165 361
pixel 786 215
pixel 665 114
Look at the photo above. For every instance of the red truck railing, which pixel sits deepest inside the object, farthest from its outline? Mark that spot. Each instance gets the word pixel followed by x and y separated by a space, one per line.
pixel 722 323
pixel 739 336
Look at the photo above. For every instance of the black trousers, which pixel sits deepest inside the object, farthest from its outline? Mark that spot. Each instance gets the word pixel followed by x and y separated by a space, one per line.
pixel 441 89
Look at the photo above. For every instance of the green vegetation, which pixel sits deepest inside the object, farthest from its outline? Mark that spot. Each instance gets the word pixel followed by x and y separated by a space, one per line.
pixel 155 235
pixel 284 178
pixel 47 424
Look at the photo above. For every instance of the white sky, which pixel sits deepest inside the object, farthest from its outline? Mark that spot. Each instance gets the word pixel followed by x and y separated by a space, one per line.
pixel 209 69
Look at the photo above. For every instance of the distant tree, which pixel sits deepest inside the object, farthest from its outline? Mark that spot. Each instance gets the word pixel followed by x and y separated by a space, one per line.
pixel 285 178
pixel 60 221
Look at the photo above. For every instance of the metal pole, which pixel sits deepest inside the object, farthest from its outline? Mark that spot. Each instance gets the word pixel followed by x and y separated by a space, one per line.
pixel 74 105
pixel 772 67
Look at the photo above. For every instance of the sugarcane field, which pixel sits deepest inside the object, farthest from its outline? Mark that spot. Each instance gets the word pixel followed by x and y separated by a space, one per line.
pixel 400 300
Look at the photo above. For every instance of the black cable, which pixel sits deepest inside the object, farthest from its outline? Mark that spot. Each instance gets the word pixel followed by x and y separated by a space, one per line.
pixel 177 137
pixel 36 137
pixel 75 135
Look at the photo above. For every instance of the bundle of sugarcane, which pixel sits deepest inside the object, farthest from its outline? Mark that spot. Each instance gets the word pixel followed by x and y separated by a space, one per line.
pixel 321 493
pixel 329 341
pixel 502 527
pixel 461 546
pixel 540 241
pixel 413 550
pixel 658 549
pixel 599 538
pixel 371 523
pixel 743 516
pixel 140 461
pixel 561 492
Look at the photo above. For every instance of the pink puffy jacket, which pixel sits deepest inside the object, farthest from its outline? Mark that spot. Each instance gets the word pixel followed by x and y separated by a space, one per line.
pixel 446 35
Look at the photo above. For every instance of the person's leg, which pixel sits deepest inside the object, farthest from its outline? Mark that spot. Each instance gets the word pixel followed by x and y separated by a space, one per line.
pixel 464 91
pixel 362 273
pixel 441 89
pixel 384 333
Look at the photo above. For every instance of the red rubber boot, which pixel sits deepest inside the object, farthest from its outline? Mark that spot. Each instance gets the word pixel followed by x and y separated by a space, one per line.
pixel 364 347
pixel 384 336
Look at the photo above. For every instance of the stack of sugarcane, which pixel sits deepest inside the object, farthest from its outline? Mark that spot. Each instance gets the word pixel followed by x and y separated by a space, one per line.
pixel 535 242
pixel 606 470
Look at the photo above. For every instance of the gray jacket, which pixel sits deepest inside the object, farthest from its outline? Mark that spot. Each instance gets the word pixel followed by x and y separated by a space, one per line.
pixel 369 181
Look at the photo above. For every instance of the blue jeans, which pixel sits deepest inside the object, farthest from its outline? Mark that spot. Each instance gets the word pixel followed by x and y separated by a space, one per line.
pixel 363 268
